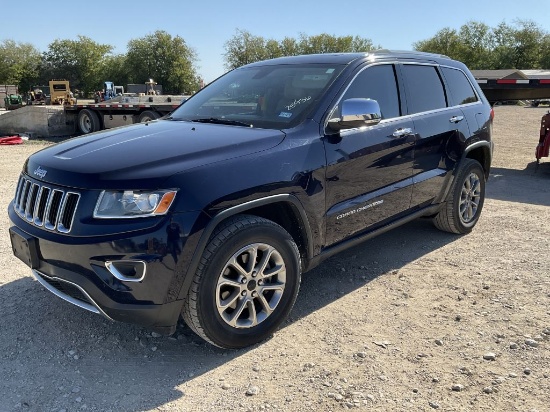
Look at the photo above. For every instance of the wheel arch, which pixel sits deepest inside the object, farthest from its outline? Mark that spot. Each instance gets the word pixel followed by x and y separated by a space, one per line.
pixel 283 209
pixel 482 153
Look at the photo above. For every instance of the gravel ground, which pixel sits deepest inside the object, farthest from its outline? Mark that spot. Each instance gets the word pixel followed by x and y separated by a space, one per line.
pixel 413 320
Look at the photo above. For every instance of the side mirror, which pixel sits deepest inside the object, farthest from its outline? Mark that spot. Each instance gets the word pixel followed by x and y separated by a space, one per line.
pixel 357 112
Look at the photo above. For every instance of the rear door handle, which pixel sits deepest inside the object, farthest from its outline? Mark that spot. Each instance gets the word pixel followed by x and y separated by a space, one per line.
pixel 456 119
pixel 404 131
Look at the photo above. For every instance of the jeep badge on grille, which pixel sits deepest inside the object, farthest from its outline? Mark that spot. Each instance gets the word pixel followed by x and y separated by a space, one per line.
pixel 40 172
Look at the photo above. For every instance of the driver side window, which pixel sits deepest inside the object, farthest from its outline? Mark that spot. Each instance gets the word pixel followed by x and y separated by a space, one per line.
pixel 377 83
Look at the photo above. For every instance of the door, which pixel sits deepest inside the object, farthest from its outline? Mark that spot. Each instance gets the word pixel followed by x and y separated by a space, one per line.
pixel 369 169
pixel 439 128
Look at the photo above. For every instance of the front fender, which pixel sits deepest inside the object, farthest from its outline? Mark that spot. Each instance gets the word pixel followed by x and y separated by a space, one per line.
pixel 220 217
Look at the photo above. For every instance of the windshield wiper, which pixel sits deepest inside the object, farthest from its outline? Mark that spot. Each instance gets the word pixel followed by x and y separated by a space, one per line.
pixel 222 121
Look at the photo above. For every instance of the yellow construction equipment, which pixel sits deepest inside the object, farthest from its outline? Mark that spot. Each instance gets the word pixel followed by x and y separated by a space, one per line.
pixel 60 93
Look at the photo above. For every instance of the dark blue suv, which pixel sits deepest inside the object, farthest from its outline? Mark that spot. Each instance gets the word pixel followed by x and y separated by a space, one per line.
pixel 214 211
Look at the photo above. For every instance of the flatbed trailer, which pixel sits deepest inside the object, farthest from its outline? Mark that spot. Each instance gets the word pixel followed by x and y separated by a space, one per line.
pixel 497 90
pixel 121 111
pixel 536 91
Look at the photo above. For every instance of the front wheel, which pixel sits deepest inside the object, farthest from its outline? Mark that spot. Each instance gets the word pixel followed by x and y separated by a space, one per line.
pixel 462 208
pixel 246 283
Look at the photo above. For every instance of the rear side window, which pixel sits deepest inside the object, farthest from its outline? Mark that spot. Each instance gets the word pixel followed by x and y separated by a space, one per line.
pixel 424 88
pixel 460 89
pixel 377 83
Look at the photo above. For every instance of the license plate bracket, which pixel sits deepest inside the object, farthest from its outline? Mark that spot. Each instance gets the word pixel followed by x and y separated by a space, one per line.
pixel 24 247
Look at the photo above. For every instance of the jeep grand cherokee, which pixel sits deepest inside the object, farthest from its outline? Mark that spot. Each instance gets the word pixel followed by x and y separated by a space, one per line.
pixel 214 212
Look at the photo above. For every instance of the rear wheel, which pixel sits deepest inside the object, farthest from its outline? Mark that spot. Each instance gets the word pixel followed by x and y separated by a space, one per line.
pixel 246 283
pixel 147 116
pixel 88 121
pixel 462 208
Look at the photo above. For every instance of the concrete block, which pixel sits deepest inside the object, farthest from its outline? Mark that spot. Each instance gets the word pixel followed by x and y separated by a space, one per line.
pixel 37 121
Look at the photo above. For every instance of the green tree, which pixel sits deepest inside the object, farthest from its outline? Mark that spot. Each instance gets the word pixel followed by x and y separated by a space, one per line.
pixel 244 48
pixel 167 60
pixel 472 44
pixel 545 52
pixel 523 45
pixel 326 43
pixel 79 61
pixel 321 43
pixel 520 47
pixel 361 44
pixel 476 45
pixel 272 49
pixel 446 41
pixel 19 63
pixel 289 47
pixel 115 69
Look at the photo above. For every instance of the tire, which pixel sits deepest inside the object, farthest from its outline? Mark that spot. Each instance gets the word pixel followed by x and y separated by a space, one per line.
pixel 88 121
pixel 148 116
pixel 233 304
pixel 464 203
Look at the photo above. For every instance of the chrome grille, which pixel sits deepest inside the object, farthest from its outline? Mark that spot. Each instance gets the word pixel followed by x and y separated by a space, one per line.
pixel 43 206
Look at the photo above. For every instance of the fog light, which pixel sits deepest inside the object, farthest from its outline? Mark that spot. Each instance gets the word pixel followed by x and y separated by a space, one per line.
pixel 127 270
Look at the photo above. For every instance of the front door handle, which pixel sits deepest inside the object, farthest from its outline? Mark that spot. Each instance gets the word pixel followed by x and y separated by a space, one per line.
pixel 456 119
pixel 404 131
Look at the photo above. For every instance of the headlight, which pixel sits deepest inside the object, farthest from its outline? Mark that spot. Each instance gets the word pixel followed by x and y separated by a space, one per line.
pixel 116 204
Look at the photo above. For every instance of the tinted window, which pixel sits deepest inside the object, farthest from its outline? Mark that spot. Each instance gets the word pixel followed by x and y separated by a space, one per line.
pixel 270 96
pixel 461 91
pixel 377 83
pixel 424 88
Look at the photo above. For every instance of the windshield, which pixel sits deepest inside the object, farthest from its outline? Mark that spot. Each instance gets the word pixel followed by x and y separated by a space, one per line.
pixel 271 96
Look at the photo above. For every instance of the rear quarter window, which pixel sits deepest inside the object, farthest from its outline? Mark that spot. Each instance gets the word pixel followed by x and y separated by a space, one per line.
pixel 460 88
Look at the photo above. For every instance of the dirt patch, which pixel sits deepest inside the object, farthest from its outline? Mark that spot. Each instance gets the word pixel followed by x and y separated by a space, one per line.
pixel 414 320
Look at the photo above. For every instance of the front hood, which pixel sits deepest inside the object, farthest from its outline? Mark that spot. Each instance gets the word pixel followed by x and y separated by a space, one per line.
pixel 141 156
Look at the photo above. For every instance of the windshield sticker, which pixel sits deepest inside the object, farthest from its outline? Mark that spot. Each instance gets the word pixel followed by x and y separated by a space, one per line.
pixel 285 114
pixel 315 77
pixel 296 102
pixel 330 71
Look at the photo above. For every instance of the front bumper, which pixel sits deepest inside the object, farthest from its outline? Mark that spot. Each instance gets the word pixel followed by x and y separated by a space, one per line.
pixel 83 270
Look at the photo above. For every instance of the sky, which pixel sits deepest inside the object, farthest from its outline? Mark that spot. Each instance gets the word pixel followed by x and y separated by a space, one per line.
pixel 206 25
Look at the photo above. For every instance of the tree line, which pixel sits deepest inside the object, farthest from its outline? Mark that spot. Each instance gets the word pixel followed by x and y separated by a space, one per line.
pixel 524 45
pixel 170 61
